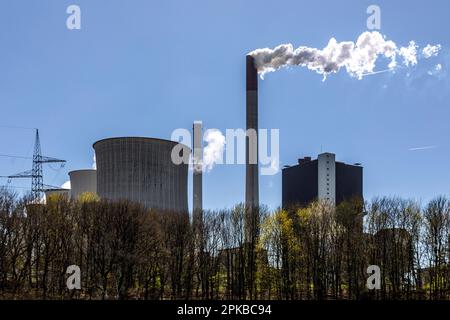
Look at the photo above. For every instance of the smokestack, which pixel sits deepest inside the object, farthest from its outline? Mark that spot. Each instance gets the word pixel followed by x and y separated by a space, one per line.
pixel 197 206
pixel 251 182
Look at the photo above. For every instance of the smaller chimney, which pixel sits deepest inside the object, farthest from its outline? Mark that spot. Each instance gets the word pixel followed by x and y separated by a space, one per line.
pixel 197 205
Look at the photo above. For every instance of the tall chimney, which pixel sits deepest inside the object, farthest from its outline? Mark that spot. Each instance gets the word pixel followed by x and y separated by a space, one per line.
pixel 251 170
pixel 197 206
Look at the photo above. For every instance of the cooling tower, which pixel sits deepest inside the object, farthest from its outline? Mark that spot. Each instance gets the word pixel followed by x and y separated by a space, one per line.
pixel 141 170
pixel 82 181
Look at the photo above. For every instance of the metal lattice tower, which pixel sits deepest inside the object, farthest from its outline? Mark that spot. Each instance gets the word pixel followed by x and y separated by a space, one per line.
pixel 36 173
pixel 37 181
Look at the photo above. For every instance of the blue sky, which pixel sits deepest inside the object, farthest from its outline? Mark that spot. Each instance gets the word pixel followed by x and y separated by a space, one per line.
pixel 145 68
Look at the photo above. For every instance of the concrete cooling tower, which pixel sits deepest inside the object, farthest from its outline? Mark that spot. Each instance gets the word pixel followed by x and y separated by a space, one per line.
pixel 82 181
pixel 141 170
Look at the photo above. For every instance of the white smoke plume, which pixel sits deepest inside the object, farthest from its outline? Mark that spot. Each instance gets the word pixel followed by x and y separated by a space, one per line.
pixel 94 163
pixel 436 70
pixel 357 58
pixel 66 185
pixel 431 51
pixel 213 151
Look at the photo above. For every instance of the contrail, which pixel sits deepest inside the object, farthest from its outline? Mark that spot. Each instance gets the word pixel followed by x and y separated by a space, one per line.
pixel 375 72
pixel 423 148
pixel 357 58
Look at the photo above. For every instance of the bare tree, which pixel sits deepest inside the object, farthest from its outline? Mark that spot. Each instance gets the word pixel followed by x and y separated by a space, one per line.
pixel 436 241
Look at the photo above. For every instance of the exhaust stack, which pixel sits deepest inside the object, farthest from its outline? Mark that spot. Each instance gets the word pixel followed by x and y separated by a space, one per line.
pixel 251 152
pixel 197 205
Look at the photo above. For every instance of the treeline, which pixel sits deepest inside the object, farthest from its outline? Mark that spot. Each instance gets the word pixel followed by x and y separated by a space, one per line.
pixel 318 252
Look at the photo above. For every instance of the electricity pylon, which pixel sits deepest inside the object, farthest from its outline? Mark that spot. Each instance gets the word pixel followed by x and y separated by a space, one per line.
pixel 36 173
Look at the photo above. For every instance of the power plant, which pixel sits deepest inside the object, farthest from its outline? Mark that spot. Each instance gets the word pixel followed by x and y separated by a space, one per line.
pixel 141 170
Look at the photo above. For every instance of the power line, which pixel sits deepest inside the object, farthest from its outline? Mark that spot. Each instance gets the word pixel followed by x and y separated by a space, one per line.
pixel 13 156
pixel 16 127
pixel 13 187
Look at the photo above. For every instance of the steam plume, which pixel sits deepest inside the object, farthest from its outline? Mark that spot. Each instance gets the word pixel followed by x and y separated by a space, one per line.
pixel 213 152
pixel 66 185
pixel 357 58
pixel 431 51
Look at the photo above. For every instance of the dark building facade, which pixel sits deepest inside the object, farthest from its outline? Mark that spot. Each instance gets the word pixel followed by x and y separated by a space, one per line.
pixel 321 179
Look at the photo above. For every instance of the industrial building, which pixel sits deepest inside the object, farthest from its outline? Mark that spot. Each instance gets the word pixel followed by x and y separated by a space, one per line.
pixel 82 181
pixel 141 170
pixel 321 179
